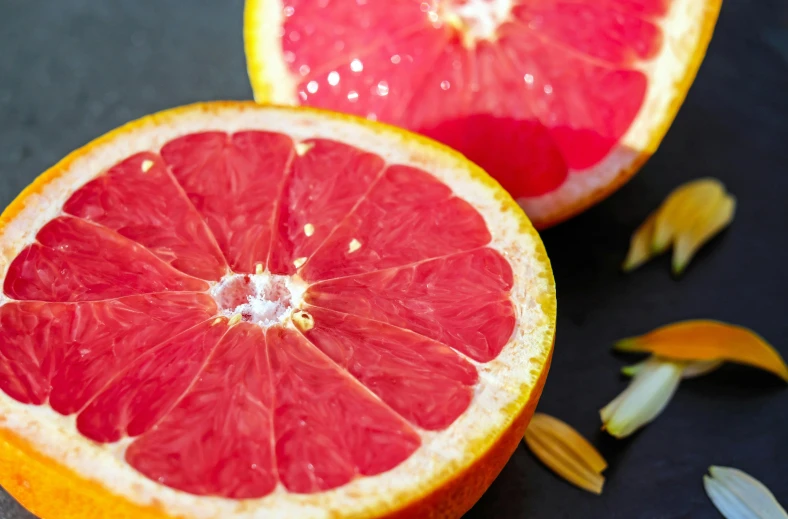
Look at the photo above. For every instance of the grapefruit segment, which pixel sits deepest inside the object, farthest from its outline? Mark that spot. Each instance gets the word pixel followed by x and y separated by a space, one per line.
pixel 424 381
pixel 67 352
pixel 218 440
pixel 461 300
pixel 314 202
pixel 329 429
pixel 74 260
pixel 234 182
pixel 145 390
pixel 613 31
pixel 313 314
pixel 139 199
pixel 389 228
pixel 560 100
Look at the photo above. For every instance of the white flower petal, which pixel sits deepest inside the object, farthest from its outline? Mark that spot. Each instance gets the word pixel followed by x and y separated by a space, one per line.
pixel 737 495
pixel 647 395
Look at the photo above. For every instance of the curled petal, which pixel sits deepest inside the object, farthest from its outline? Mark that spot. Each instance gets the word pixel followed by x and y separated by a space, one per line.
pixel 737 495
pixel 710 220
pixel 710 341
pixel 566 452
pixel 691 370
pixel 689 217
pixel 680 207
pixel 647 395
pixel 640 245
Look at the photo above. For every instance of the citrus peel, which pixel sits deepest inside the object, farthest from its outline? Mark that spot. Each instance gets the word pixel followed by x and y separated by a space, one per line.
pixel 737 495
pixel 566 452
pixel 689 217
pixel 706 340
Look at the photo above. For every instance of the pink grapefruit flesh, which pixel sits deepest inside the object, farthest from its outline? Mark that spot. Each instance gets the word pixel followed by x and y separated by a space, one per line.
pixel 119 310
pixel 559 100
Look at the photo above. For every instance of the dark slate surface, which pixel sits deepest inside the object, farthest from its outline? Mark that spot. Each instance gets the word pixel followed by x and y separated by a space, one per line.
pixel 72 69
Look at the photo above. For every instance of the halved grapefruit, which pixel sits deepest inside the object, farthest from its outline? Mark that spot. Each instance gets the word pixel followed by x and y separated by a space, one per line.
pixel 229 310
pixel 560 100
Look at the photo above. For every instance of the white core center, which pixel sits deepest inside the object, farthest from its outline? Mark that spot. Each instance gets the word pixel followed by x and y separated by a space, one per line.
pixel 262 299
pixel 477 19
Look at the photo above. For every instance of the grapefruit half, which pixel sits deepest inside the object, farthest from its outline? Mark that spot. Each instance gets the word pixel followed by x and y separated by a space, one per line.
pixel 560 100
pixel 230 310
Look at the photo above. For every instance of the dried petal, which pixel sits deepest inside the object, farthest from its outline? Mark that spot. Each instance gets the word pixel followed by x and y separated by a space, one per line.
pixel 680 206
pixel 640 245
pixel 737 495
pixel 647 395
pixel 691 370
pixel 566 452
pixel 708 340
pixel 710 220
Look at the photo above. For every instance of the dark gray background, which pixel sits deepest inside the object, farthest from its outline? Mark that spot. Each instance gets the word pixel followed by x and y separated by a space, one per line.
pixel 72 69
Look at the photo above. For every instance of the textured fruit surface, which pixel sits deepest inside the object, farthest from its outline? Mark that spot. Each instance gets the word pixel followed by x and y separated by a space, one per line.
pixel 249 314
pixel 532 91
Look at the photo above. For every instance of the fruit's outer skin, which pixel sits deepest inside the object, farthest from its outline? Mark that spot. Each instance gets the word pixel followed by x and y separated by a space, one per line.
pixel 51 490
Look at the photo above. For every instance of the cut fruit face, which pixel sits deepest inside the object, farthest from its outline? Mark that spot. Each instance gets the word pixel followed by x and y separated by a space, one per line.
pixel 561 101
pixel 228 310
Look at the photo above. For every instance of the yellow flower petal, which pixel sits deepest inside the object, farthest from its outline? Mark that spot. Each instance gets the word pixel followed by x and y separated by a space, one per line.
pixel 640 245
pixel 680 206
pixel 710 220
pixel 647 395
pixel 737 495
pixel 566 452
pixel 708 340
pixel 689 217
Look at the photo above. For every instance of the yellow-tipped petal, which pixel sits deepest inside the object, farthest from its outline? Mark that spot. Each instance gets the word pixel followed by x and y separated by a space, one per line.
pixel 708 340
pixel 566 452
pixel 640 245
pixel 737 495
pixel 678 208
pixel 646 397
pixel 709 221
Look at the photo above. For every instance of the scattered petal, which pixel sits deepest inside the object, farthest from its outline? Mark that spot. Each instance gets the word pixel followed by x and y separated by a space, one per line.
pixel 640 245
pixel 689 217
pixel 647 395
pixel 709 221
pixel 737 495
pixel 566 452
pixel 681 206
pixel 691 370
pixel 710 341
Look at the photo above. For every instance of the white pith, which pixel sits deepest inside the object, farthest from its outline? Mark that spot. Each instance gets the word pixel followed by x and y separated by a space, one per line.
pixel 260 307
pixel 682 30
pixel 504 382
pixel 476 19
